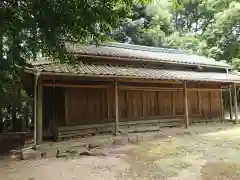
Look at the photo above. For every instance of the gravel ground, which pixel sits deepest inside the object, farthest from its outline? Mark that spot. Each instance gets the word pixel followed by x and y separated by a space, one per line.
pixel 191 156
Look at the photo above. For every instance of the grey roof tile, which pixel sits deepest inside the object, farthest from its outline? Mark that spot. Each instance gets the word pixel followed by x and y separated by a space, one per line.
pixel 145 53
pixel 82 69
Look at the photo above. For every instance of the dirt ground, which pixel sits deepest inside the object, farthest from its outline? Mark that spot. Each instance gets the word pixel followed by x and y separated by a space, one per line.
pixel 198 154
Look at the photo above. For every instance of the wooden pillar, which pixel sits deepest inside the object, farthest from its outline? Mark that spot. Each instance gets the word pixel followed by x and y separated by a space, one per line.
pixel 230 103
pixel 35 109
pixel 235 103
pixel 38 99
pixel 116 130
pixel 186 105
pixel 39 113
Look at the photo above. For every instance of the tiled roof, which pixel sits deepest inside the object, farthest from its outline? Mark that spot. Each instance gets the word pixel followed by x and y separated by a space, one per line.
pixel 144 53
pixel 82 69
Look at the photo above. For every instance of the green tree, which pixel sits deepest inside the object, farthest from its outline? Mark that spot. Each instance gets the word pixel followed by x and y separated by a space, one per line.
pixel 224 35
pixel 32 27
pixel 146 24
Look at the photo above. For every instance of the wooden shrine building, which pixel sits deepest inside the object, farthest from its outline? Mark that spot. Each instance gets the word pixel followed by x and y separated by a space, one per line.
pixel 116 87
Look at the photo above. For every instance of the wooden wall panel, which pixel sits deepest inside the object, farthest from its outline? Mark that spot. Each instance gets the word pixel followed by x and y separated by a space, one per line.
pixel 97 105
pixel 205 104
pixel 86 106
pixel 136 101
pixel 111 103
pixel 150 103
pixel 193 103
pixel 122 105
pixel 215 103
pixel 178 102
pixel 165 103
pixel 134 104
pixel 77 101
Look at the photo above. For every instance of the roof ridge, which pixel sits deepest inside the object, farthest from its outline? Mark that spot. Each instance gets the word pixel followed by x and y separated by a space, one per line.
pixel 146 48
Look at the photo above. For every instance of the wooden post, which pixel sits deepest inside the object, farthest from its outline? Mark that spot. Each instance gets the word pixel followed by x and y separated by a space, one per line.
pixel 35 109
pixel 230 103
pixel 116 109
pixel 235 104
pixel 186 105
pixel 39 113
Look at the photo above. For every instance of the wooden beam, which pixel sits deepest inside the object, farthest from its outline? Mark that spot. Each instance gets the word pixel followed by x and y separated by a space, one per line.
pixel 39 113
pixel 230 103
pixel 106 79
pixel 49 84
pixel 112 78
pixel 116 109
pixel 132 121
pixel 75 85
pixel 235 103
pixel 186 105
pixel 126 87
pixel 164 89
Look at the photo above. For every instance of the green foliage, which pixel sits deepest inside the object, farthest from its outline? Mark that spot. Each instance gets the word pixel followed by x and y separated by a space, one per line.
pixel 207 27
pixel 146 25
pixel 187 41
pixel 45 25
pixel 37 27
pixel 225 32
